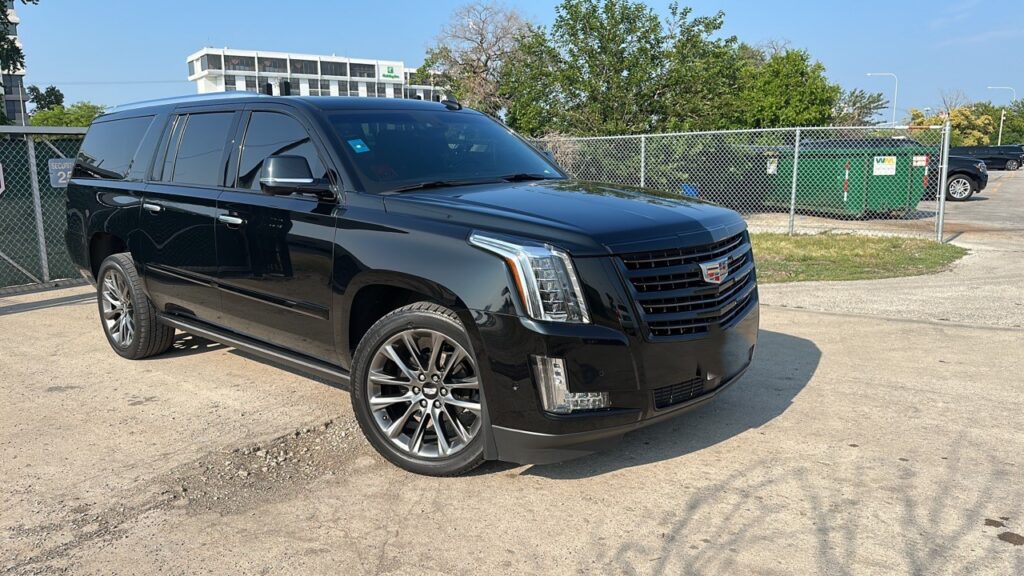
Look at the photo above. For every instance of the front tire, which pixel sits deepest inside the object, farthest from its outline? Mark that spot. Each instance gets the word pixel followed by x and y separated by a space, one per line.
pixel 416 391
pixel 1012 165
pixel 128 318
pixel 960 188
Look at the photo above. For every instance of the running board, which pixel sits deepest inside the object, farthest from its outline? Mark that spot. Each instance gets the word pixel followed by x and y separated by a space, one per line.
pixel 301 363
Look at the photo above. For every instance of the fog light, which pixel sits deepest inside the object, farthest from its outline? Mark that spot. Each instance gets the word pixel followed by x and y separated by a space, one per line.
pixel 553 381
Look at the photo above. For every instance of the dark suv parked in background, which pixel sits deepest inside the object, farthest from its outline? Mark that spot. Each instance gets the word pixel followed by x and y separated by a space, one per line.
pixel 479 304
pixel 1009 157
pixel 965 177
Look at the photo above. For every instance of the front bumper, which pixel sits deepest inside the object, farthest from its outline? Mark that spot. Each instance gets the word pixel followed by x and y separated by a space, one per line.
pixel 599 358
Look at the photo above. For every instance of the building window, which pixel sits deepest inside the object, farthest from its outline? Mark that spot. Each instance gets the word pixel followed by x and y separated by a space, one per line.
pixel 364 71
pixel 240 63
pixel 274 65
pixel 211 62
pixel 191 67
pixel 304 67
pixel 250 84
pixel 334 68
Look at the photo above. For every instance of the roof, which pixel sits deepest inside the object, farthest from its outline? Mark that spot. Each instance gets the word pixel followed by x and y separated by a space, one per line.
pixel 320 102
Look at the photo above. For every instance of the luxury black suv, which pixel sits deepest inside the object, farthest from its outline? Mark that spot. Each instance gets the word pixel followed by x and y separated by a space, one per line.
pixel 478 303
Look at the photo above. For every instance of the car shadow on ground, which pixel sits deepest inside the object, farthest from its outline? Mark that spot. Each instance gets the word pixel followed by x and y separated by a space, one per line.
pixel 783 365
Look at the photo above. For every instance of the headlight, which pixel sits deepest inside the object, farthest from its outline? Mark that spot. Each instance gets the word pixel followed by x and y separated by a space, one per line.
pixel 544 276
pixel 982 167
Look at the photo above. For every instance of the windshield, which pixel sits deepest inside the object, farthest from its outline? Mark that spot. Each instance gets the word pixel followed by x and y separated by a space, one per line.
pixel 395 149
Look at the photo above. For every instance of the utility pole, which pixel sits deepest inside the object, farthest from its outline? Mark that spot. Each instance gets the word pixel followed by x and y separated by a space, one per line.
pixel 1002 116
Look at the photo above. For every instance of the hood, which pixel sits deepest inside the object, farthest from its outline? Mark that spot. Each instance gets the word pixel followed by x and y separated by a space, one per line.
pixel 582 217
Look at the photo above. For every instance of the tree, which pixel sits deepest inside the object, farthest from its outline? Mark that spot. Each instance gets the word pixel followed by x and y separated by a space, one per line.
pixel 787 90
pixel 701 90
pixel 858 108
pixel 529 85
pixel 612 66
pixel 967 127
pixel 1013 124
pixel 468 55
pixel 78 114
pixel 45 99
pixel 11 56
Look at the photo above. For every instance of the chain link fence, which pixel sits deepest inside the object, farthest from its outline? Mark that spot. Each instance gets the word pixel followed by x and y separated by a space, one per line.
pixel 35 163
pixel 873 180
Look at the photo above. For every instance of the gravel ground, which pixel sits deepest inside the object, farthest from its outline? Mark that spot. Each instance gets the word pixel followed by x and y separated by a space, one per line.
pixel 855 445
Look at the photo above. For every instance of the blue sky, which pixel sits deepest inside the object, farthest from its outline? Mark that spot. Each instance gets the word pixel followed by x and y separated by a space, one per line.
pixel 88 48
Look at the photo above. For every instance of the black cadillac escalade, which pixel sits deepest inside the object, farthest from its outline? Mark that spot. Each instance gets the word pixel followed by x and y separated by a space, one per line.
pixel 478 303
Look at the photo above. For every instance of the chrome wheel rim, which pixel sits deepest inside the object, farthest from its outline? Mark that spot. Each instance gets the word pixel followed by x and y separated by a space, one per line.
pixel 118 312
pixel 423 392
pixel 1011 165
pixel 959 188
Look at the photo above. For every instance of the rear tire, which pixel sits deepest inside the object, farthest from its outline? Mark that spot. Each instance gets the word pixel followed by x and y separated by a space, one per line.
pixel 416 391
pixel 128 318
pixel 960 188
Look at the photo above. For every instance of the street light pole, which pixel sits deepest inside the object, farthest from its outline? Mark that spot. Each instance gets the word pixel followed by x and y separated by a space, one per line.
pixel 895 92
pixel 1002 116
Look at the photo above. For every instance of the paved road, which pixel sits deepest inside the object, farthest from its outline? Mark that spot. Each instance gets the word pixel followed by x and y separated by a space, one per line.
pixel 856 445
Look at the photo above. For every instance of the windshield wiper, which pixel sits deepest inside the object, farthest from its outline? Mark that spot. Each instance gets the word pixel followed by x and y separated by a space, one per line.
pixel 525 176
pixel 440 184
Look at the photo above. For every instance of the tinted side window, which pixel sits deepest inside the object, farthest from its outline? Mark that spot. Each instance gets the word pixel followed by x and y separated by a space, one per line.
pixel 201 151
pixel 109 148
pixel 272 134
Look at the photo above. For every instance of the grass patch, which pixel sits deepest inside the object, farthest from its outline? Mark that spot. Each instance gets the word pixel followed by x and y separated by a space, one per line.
pixel 782 258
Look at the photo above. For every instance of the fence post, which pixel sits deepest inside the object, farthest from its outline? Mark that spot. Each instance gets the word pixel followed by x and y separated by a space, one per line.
pixel 643 160
pixel 792 192
pixel 37 207
pixel 940 192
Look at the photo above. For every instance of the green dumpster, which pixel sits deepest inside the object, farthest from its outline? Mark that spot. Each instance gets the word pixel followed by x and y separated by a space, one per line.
pixel 852 181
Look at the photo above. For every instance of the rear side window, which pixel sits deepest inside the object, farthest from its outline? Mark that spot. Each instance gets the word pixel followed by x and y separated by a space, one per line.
pixel 273 134
pixel 200 157
pixel 109 148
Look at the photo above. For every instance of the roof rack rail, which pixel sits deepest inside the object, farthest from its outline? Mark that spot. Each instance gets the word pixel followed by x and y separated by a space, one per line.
pixel 184 99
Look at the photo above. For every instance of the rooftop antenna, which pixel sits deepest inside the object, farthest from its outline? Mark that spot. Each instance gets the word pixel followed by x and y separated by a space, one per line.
pixel 451 103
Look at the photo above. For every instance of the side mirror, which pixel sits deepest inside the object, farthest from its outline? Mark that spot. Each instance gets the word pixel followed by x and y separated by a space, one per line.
pixel 286 174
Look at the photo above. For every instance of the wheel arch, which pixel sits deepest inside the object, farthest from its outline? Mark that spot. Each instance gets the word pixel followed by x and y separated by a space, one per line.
pixel 375 293
pixel 101 246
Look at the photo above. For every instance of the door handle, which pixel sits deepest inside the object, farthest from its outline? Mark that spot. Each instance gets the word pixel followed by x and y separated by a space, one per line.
pixel 153 208
pixel 230 220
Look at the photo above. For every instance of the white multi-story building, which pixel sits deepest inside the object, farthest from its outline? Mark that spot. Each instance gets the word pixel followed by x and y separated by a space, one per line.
pixel 13 80
pixel 225 70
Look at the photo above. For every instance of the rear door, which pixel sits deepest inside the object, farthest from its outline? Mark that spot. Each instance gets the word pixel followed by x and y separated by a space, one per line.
pixel 178 245
pixel 276 252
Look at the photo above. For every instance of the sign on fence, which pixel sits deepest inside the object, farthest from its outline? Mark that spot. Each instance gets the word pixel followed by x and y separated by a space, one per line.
pixel 60 171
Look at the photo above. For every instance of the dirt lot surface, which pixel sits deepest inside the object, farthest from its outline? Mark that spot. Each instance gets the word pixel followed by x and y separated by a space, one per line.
pixel 867 442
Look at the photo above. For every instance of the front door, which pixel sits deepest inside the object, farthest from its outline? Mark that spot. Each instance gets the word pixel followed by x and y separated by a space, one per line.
pixel 275 252
pixel 177 222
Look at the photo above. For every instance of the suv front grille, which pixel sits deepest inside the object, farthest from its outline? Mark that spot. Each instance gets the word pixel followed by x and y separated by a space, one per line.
pixel 675 300
pixel 667 396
